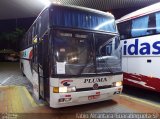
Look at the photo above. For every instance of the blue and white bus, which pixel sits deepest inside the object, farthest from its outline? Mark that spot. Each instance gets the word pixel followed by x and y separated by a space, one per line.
pixel 140 40
pixel 72 56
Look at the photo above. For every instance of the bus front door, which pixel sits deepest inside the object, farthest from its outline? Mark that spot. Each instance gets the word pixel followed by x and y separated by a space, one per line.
pixel 43 68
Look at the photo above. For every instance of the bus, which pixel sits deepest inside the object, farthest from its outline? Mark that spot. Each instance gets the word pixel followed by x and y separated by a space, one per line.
pixel 140 41
pixel 72 56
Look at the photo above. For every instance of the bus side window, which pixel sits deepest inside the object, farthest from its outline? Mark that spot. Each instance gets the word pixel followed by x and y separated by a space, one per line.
pixel 44 22
pixel 26 40
pixel 151 25
pixel 140 26
pixel 29 38
pixel 157 15
pixel 33 30
pixel 125 29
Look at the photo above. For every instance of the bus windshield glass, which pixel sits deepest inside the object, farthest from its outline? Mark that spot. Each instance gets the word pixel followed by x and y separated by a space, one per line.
pixel 81 19
pixel 78 53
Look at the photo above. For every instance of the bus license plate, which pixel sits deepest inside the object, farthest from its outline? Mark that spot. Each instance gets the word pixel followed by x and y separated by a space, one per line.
pixel 92 97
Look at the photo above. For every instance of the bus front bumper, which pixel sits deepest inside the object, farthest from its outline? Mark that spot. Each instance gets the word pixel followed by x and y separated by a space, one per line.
pixel 58 100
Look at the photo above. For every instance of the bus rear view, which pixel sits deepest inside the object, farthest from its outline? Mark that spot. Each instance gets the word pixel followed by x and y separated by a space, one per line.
pixel 80 57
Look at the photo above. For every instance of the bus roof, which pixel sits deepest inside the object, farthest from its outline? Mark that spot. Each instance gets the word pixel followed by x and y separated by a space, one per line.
pixel 75 7
pixel 141 12
pixel 84 8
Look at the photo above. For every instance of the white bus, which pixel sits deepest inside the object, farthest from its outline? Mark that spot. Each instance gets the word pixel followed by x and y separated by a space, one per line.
pixel 72 56
pixel 140 40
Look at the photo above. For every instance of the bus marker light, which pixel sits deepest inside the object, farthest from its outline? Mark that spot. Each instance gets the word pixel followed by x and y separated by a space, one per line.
pixel 56 90
pixel 64 89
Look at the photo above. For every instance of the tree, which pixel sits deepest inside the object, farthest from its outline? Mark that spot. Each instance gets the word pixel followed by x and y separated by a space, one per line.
pixel 16 37
pixel 11 40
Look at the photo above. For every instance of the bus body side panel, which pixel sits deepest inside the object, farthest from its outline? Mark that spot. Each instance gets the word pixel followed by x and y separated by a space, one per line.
pixel 84 86
pixel 142 74
pixel 125 64
pixel 140 62
pixel 30 73
pixel 26 63
pixel 36 84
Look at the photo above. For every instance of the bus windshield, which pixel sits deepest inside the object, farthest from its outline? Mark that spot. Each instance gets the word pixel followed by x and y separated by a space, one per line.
pixel 74 53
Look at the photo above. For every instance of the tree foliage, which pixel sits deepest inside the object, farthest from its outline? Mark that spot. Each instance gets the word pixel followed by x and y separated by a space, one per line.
pixel 12 39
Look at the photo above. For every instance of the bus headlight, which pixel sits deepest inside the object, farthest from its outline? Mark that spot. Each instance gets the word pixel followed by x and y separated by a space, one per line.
pixel 116 84
pixel 64 89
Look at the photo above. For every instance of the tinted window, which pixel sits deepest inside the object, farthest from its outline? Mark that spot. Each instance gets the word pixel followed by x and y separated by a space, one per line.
pixel 125 29
pixel 157 22
pixel 139 27
pixel 44 22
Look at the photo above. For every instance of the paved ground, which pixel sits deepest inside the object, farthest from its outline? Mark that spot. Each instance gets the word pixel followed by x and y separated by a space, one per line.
pixel 16 99
pixel 10 74
pixel 146 95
